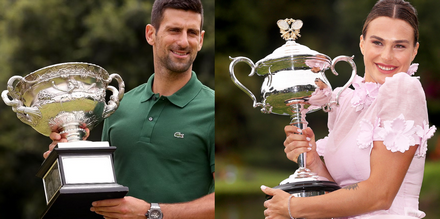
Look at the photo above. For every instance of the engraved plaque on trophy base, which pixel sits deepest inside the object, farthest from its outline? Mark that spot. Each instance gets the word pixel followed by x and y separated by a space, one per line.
pixel 76 174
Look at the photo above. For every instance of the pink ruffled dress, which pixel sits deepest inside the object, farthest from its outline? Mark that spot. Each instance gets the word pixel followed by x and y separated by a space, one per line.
pixel 395 113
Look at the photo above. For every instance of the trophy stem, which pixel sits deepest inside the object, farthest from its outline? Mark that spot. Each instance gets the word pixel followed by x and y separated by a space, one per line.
pixel 70 123
pixel 73 131
pixel 296 114
pixel 297 120
pixel 304 182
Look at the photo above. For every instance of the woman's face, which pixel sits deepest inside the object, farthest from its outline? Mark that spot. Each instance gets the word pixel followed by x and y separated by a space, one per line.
pixel 388 48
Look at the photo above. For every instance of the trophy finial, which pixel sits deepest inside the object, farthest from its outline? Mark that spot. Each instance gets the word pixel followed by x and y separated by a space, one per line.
pixel 289 28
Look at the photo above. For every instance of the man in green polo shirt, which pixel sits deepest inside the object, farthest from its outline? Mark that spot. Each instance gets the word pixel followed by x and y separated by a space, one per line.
pixel 170 138
pixel 164 129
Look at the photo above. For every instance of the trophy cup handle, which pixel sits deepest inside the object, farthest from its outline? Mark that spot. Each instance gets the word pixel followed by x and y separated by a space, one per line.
pixel 28 115
pixel 348 59
pixel 240 85
pixel 116 96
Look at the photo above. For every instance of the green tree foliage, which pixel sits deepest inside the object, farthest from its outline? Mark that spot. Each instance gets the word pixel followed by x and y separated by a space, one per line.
pixel 38 33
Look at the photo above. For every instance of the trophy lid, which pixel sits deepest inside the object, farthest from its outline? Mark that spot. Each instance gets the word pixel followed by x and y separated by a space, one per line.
pixel 291 55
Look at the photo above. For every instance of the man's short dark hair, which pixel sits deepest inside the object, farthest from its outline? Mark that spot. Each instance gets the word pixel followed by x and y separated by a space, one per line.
pixel 159 7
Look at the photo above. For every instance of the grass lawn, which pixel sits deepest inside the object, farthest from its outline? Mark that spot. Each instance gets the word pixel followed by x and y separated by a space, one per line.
pixel 241 181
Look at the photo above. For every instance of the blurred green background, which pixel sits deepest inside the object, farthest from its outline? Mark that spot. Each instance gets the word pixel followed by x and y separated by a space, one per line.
pixel 249 143
pixel 38 33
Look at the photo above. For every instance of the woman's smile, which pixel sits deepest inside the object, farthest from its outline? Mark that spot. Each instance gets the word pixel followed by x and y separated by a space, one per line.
pixel 386 69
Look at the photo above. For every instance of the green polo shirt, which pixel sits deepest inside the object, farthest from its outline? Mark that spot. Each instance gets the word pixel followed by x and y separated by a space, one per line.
pixel 165 145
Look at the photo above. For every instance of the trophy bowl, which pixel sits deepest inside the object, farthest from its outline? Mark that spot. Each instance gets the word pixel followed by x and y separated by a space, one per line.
pixel 66 98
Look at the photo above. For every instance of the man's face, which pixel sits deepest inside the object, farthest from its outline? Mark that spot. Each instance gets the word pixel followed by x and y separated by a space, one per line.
pixel 176 43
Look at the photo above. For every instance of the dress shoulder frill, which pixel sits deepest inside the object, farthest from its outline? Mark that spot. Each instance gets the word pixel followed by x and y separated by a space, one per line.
pixel 399 118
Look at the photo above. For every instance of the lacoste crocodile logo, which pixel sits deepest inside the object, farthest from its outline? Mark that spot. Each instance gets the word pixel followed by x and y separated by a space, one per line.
pixel 178 135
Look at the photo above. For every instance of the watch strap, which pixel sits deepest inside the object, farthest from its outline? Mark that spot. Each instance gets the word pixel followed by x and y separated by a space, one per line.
pixel 154 207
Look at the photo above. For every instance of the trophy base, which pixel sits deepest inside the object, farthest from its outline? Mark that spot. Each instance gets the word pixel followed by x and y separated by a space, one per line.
pixel 308 188
pixel 305 183
pixel 76 175
pixel 74 202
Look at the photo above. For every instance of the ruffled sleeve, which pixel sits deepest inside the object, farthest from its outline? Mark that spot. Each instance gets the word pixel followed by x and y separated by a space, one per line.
pixel 401 118
pixel 320 96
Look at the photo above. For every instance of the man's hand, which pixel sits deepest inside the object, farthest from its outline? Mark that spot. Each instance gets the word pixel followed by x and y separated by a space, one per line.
pixel 127 207
pixel 57 137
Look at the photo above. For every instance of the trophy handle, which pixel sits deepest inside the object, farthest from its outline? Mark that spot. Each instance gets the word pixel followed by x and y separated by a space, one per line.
pixel 27 115
pixel 116 96
pixel 348 59
pixel 240 85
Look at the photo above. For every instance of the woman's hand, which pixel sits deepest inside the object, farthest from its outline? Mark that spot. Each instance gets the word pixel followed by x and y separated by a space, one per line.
pixel 299 141
pixel 276 207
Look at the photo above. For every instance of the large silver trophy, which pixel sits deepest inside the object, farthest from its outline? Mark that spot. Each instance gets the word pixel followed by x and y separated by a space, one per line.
pixel 70 98
pixel 295 84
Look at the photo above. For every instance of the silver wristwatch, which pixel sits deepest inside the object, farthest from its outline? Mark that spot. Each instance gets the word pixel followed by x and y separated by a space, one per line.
pixel 154 212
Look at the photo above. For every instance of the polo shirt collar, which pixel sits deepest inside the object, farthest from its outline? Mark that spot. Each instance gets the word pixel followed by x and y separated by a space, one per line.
pixel 148 93
pixel 182 97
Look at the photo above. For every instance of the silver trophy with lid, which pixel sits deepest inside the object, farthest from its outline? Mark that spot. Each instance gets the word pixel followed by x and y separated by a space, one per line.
pixel 69 98
pixel 294 85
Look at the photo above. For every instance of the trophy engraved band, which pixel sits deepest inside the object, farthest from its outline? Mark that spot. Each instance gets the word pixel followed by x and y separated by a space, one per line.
pixel 294 85
pixel 69 98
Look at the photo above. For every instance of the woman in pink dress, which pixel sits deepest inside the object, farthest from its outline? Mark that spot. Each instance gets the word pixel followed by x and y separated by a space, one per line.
pixel 378 134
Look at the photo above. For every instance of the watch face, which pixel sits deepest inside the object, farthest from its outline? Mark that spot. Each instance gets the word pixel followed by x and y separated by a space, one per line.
pixel 155 214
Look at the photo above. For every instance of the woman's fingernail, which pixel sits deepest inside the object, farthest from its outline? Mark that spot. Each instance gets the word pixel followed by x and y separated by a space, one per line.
pixel 299 130
pixel 263 187
pixel 309 148
pixel 308 139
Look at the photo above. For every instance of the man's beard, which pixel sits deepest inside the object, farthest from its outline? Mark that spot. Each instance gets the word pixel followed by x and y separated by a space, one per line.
pixel 177 67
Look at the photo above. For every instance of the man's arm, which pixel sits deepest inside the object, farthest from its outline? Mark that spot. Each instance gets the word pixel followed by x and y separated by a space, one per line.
pixel 130 207
pixel 202 208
